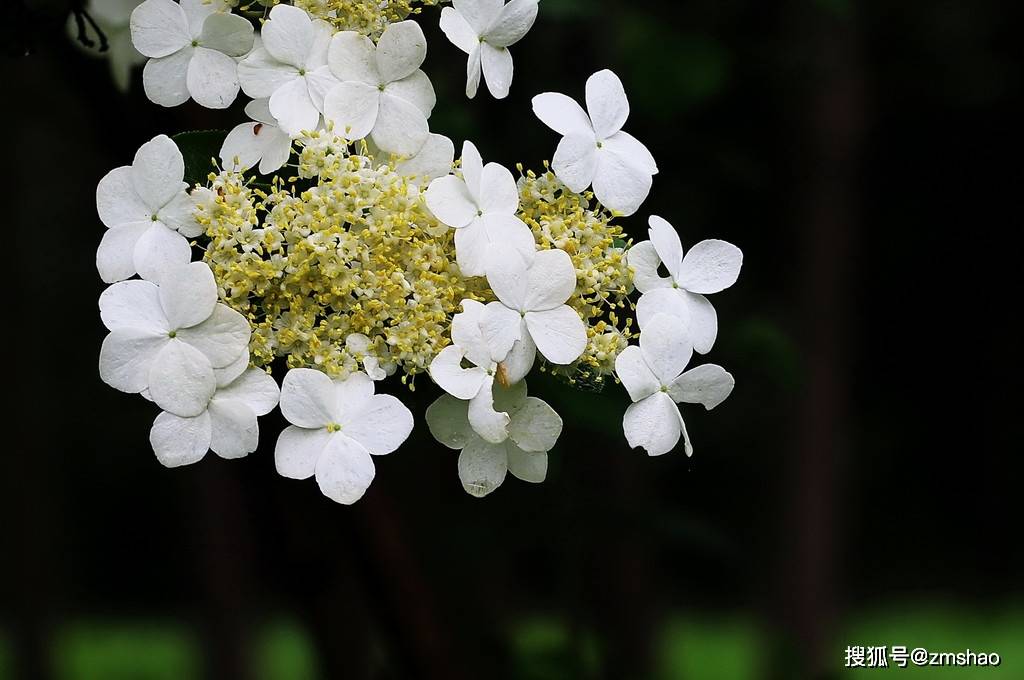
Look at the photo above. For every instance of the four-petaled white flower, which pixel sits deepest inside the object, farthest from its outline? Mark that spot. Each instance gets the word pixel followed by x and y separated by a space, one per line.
pixel 475 384
pixel 534 428
pixel 594 149
pixel 485 29
pixel 708 267
pixel 192 46
pixel 147 213
pixel 170 338
pixel 481 206
pixel 531 313
pixel 228 426
pixel 261 141
pixel 653 375
pixel 336 426
pixel 383 93
pixel 290 67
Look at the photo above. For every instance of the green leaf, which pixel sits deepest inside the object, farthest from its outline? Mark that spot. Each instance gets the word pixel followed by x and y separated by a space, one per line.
pixel 200 148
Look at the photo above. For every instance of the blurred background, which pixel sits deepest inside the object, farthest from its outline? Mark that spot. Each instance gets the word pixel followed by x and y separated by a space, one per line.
pixel 859 488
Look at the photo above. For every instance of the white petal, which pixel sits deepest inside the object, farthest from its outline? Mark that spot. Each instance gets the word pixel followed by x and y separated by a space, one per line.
pixel 353 107
pixel 562 114
pixel 352 57
pixel 472 165
pixel 525 465
pixel 449 200
pixel 482 467
pixel 292 107
pixel 133 304
pixel 666 347
pixel 165 80
pixel 221 337
pixel 160 250
pixel 653 423
pixel 227 33
pixel 446 370
pixel 243 147
pixel 710 266
pixel 351 395
pixel 559 333
pixel 317 56
pixel 635 374
pixel 228 374
pixel 667 244
pixel 473 71
pixel 401 127
pixel 535 426
pixel 298 450
pixel 212 78
pixel 606 103
pixel 157 171
pixel 415 89
pixel 344 470
pixel 448 420
pixel 509 279
pixel 708 384
pixel 498 191
pixel 575 161
pixel 514 21
pixel 188 295
pixel 509 398
pixel 179 215
pixel 180 441
pixel 319 82
pixel 288 35
pixel 159 28
pixel 497 67
pixel 400 51
pixel 550 281
pixel 490 424
pixel 380 425
pixel 458 30
pixel 115 257
pixel 278 147
pixel 126 356
pixel 519 361
pixel 703 326
pixel 254 388
pixel 433 160
pixel 493 236
pixel 619 185
pixel 501 328
pixel 644 259
pixel 197 11
pixel 116 200
pixel 260 75
pixel 468 336
pixel 480 14
pixel 631 150
pixel 181 379
pixel 235 433
pixel 308 398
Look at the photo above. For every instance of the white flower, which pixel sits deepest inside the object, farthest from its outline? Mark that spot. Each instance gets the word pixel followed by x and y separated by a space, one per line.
pixel 228 425
pixel 358 345
pixel 481 206
pixel 170 338
pixel 336 426
pixel 594 149
pixel 112 17
pixel 383 93
pixel 532 313
pixel 192 46
pixel 148 214
pixel 474 384
pixel 708 267
pixel 533 430
pixel 260 142
pixel 290 67
pixel 485 29
pixel 653 375
pixel 434 160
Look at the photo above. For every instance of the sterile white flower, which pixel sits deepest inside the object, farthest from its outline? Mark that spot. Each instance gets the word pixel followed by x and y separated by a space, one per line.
pixel 112 17
pixel 485 29
pixel 533 430
pixel 475 384
pixel 336 426
pixel 594 149
pixel 147 213
pixel 708 267
pixel 192 46
pixel 531 313
pixel 653 375
pixel 170 338
pixel 359 345
pixel 382 93
pixel 290 68
pixel 261 141
pixel 481 206
pixel 228 426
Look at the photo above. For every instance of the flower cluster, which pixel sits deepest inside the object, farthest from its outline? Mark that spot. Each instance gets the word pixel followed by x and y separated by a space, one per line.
pixel 341 242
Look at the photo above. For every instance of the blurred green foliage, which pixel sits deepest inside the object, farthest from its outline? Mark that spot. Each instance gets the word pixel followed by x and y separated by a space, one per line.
pixel 99 650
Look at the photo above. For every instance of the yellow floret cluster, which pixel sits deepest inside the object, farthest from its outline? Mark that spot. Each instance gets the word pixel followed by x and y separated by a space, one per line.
pixel 343 264
pixel 369 17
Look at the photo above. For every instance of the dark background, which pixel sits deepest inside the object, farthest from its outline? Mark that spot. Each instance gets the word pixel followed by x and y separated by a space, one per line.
pixel 860 486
